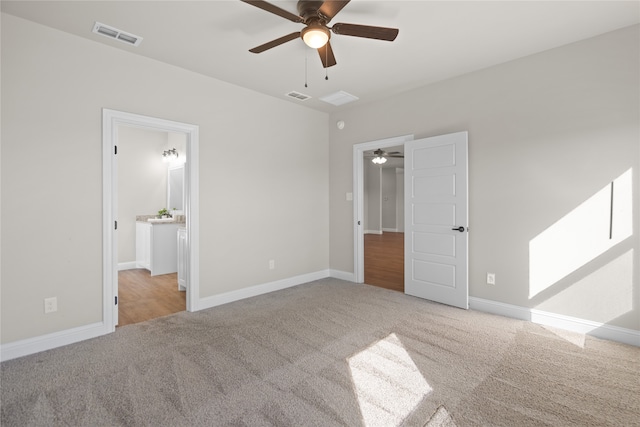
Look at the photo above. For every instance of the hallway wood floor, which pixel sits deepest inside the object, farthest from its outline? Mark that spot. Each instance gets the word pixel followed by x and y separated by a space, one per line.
pixel 143 297
pixel 384 260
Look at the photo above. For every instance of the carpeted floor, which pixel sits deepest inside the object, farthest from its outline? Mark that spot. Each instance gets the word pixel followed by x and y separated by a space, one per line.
pixel 327 353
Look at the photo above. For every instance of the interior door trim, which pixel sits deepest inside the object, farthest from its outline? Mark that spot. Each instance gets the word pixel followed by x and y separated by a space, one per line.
pixel 111 120
pixel 358 197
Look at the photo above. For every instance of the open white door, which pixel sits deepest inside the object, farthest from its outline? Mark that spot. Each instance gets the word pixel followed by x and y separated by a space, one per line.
pixel 436 218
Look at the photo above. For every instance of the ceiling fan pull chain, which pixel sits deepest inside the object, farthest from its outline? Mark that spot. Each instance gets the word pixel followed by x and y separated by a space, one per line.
pixel 305 68
pixel 326 61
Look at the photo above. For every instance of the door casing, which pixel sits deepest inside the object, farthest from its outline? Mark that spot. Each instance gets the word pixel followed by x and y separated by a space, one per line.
pixel 111 120
pixel 358 197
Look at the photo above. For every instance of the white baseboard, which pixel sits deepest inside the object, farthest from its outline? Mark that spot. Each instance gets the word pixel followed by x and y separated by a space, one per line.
pixel 127 265
pixel 390 230
pixel 69 336
pixel 56 339
pixel 342 275
pixel 372 232
pixel 596 329
pixel 256 290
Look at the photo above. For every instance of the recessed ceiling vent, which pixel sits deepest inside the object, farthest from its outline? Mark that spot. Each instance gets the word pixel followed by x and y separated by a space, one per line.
pixel 297 95
pixel 114 33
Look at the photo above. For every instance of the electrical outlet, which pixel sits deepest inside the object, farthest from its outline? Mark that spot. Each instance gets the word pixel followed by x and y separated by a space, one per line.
pixel 491 278
pixel 50 305
pixel 272 264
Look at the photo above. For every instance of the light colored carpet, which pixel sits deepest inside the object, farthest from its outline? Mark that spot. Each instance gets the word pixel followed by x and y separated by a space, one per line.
pixel 327 353
pixel 441 418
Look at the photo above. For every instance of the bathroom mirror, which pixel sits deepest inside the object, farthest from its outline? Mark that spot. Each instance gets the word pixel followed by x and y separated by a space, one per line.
pixel 175 189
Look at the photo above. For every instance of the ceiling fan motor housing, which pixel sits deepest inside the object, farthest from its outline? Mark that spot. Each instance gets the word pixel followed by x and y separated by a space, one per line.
pixel 308 9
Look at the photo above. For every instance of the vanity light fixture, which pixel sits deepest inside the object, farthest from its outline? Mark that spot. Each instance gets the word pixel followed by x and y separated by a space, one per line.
pixel 170 155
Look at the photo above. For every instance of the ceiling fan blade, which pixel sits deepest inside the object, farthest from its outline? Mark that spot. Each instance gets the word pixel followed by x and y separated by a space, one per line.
pixel 326 55
pixel 276 42
pixel 330 8
pixel 274 9
pixel 366 31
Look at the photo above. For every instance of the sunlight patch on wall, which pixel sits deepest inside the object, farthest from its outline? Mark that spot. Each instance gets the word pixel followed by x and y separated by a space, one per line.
pixel 602 296
pixel 387 382
pixel 588 231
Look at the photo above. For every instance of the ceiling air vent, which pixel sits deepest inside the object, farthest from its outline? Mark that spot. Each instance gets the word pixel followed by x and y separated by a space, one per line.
pixel 297 95
pixel 114 33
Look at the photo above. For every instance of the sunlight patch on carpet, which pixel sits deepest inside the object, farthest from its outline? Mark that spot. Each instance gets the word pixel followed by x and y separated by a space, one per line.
pixel 575 338
pixel 387 382
pixel 441 418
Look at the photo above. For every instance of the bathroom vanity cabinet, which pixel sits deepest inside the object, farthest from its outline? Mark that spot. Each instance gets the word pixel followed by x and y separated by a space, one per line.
pixel 157 247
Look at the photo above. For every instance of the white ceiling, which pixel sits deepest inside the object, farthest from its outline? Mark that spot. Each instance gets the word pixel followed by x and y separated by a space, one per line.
pixel 437 39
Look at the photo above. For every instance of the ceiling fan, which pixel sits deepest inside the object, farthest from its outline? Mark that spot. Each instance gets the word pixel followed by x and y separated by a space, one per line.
pixel 315 15
pixel 380 156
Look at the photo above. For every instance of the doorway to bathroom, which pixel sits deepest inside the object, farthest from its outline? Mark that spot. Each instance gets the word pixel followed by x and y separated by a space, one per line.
pixel 121 216
pixel 150 168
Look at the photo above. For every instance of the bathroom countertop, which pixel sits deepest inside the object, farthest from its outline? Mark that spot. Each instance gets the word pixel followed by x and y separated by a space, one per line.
pixel 182 224
pixel 144 218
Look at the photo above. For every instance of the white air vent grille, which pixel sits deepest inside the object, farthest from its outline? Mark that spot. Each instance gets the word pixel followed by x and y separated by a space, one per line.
pixel 114 33
pixel 297 95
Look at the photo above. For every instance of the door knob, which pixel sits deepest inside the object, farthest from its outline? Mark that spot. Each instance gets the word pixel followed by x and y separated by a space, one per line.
pixel 460 229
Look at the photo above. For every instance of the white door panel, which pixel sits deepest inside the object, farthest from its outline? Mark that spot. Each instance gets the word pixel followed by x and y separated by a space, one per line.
pixel 434 273
pixel 438 185
pixel 436 195
pixel 434 213
pixel 434 244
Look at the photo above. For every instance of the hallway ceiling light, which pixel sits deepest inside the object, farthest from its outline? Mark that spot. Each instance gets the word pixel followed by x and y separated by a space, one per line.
pixel 379 160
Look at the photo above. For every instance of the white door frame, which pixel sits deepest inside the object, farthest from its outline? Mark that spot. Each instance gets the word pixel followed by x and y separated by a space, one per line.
pixel 358 197
pixel 111 120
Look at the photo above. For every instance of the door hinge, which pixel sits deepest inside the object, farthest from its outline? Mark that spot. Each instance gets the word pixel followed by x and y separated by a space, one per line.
pixel 115 149
pixel 116 300
pixel 115 223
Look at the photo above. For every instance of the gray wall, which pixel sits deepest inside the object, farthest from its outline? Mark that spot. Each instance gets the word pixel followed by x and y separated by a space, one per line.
pixel 388 190
pixel 252 208
pixel 546 133
pixel 372 188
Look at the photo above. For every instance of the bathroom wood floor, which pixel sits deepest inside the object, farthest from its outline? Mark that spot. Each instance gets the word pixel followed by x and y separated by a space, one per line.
pixel 384 260
pixel 143 297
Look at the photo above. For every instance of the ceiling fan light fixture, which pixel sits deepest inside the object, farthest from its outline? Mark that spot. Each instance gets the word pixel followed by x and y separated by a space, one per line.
pixel 379 160
pixel 315 36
